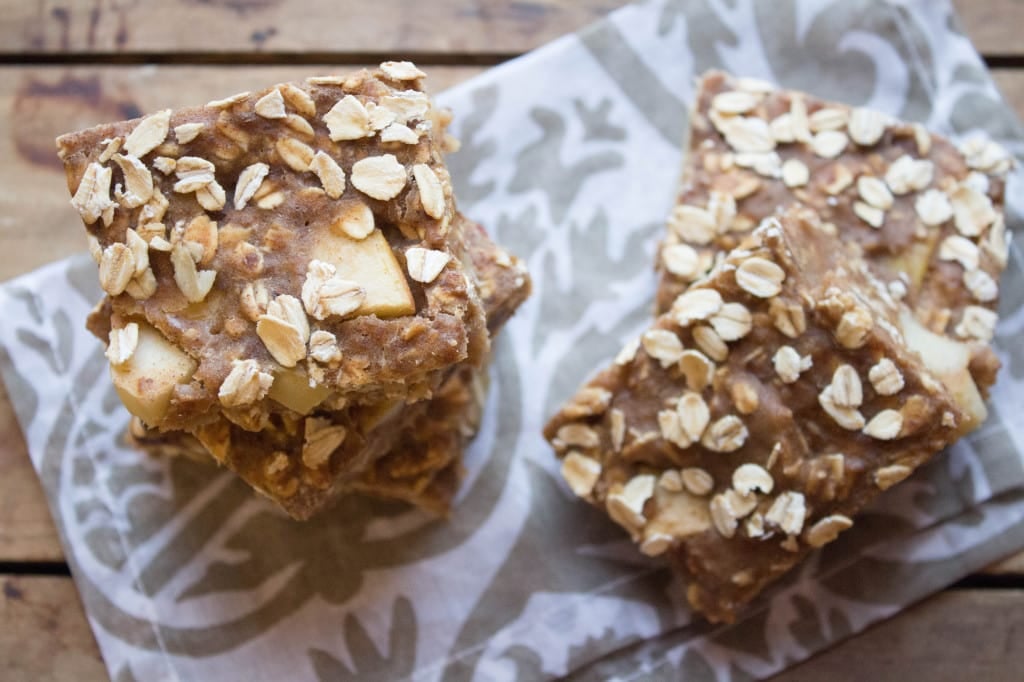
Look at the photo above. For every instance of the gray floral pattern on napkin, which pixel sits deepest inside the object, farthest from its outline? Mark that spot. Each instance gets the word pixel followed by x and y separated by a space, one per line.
pixel 570 156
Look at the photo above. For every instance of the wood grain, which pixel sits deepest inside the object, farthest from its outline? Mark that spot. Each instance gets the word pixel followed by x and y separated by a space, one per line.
pixel 954 636
pixel 26 528
pixel 993 25
pixel 385 27
pixel 391 27
pixel 45 637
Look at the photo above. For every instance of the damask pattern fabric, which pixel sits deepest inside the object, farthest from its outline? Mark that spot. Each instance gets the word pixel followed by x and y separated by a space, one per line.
pixel 571 157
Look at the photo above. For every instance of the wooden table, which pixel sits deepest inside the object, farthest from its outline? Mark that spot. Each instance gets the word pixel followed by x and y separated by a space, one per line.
pixel 65 65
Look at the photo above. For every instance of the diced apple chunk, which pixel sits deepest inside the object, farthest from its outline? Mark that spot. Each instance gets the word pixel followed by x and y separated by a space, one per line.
pixel 291 388
pixel 370 263
pixel 145 382
pixel 915 259
pixel 949 361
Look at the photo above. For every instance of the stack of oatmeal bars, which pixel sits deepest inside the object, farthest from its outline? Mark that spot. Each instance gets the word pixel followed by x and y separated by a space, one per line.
pixel 290 288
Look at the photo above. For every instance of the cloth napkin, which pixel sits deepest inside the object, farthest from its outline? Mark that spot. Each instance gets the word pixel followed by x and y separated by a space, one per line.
pixel 570 157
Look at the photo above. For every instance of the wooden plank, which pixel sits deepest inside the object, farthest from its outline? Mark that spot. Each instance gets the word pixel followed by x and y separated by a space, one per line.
pixel 993 25
pixel 1011 84
pixel 387 27
pixel 957 635
pixel 45 636
pixel 26 529
pixel 38 225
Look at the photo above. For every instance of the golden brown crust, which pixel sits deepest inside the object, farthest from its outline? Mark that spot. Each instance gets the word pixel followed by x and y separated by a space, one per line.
pixel 205 219
pixel 407 452
pixel 927 215
pixel 751 422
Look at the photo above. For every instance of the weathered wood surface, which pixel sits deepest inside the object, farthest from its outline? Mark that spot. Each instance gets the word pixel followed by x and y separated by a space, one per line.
pixel 393 27
pixel 956 635
pixel 959 634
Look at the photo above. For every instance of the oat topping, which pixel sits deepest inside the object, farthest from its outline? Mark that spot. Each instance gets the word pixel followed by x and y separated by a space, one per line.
pixel 907 174
pixel 787 513
pixel 727 434
pixel 846 387
pixel 332 177
pixel 827 529
pixel 885 425
pixel 579 435
pixel 245 384
pixel 322 438
pixel 681 260
pixel 430 190
pixel 748 134
pixel 847 417
pixel 283 330
pixel 148 134
pixel 694 415
pixel 271 105
pixel 425 265
pixel 874 192
pixel 617 428
pixel 789 364
pixel 348 120
pixel 887 477
pixel 697 481
pixel 325 294
pixel 379 177
pixel 581 473
pixel 194 284
pixel 875 217
pixel 933 207
pixel 760 277
pixel 323 347
pixel 736 102
pixel 692 224
pixel 697 368
pixel 795 173
pixel 886 377
pixel 972 211
pixel 787 317
pixel 92 199
pixel 117 267
pixel 249 181
pixel 402 71
pixel 981 285
pixel 122 344
pixel 732 321
pixel 626 506
pixel 977 323
pixel 708 340
pixel 662 345
pixel 867 126
pixel 829 144
pixel 696 304
pixel 750 478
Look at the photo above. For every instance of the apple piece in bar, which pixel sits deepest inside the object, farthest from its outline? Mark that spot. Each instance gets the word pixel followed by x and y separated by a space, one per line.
pixel 372 264
pixel 291 388
pixel 950 361
pixel 146 379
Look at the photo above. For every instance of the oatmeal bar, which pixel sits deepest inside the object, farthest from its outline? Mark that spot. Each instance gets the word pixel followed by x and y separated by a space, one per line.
pixel 750 423
pixel 926 213
pixel 409 452
pixel 271 252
